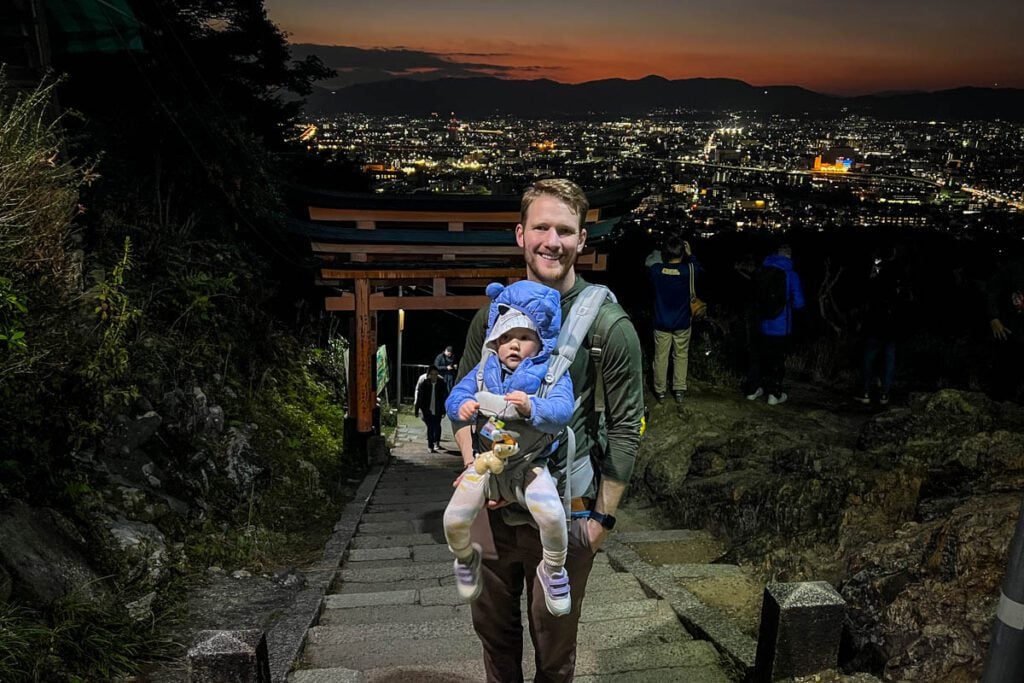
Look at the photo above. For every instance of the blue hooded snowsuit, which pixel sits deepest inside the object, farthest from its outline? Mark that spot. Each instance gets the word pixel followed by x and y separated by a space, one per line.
pixel 543 306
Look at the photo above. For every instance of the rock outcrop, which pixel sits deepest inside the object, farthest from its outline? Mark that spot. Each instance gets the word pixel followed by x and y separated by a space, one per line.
pixel 908 511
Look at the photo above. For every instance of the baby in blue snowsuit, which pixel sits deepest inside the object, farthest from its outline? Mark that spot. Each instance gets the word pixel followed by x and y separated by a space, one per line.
pixel 523 325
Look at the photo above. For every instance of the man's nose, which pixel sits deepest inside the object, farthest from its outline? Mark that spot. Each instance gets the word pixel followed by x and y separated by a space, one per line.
pixel 551 240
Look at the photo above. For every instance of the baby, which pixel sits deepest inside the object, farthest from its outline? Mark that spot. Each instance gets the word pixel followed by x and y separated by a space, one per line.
pixel 500 395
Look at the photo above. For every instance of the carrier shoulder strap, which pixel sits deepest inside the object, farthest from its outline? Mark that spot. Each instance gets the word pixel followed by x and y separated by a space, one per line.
pixel 587 316
pixel 575 326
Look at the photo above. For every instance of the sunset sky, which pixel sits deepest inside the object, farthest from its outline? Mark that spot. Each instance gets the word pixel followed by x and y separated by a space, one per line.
pixel 826 45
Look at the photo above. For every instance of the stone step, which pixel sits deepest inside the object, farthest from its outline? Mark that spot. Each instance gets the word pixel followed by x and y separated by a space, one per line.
pixel 428 496
pixel 423 481
pixel 435 580
pixel 367 645
pixel 400 516
pixel 393 541
pixel 423 525
pixel 594 609
pixel 341 588
pixel 381 560
pixel 438 589
pixel 685 661
pixel 410 508
pixel 437 552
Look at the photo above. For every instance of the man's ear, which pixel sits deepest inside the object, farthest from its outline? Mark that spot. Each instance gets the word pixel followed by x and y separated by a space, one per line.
pixel 583 240
pixel 519 234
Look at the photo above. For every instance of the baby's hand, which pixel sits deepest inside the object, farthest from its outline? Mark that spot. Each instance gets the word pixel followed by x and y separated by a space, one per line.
pixel 468 409
pixel 521 401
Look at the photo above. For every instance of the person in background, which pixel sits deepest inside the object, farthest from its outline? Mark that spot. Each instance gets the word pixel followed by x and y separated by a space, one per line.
pixel 779 294
pixel 1004 292
pixel 746 268
pixel 431 395
pixel 447 366
pixel 883 320
pixel 671 281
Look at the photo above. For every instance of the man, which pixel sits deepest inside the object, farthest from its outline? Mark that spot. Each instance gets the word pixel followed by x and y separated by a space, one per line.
pixel 1004 292
pixel 672 295
pixel 446 365
pixel 552 234
pixel 430 397
pixel 779 294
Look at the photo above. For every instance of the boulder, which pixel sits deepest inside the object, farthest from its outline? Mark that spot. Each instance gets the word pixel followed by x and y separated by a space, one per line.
pixel 141 551
pixel 238 460
pixel 44 560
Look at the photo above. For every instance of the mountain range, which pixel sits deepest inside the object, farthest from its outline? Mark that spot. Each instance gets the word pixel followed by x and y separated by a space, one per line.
pixel 478 96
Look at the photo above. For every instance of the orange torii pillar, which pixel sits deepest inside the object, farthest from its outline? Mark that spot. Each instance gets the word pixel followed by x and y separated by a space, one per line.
pixel 363 399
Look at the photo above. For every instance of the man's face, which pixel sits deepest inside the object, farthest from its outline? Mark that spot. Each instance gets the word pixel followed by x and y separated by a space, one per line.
pixel 517 344
pixel 551 239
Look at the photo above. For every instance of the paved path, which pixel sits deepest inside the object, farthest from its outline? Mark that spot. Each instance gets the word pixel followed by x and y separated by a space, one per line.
pixel 392 612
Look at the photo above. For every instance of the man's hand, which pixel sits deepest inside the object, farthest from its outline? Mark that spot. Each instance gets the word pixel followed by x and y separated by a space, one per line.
pixel 521 401
pixel 999 330
pixel 467 411
pixel 595 534
pixel 686 248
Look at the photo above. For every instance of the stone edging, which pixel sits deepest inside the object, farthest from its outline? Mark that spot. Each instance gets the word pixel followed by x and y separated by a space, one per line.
pixel 700 619
pixel 287 636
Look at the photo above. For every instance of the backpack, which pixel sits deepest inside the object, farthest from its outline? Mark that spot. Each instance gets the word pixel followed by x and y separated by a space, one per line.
pixel 576 328
pixel 771 292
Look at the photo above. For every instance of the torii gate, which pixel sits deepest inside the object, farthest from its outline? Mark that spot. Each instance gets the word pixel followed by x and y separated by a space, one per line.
pixel 450 243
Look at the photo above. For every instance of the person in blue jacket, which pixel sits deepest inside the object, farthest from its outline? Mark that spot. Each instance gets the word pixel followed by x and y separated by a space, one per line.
pixel 671 281
pixel 779 294
pixel 523 325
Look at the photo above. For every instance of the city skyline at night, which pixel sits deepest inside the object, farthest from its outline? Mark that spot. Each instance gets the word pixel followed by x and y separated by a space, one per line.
pixel 838 49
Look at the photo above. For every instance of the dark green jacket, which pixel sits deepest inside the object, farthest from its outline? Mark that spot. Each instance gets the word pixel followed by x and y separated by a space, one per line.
pixel 616 432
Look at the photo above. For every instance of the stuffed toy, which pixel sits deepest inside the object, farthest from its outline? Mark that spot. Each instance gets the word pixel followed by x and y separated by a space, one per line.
pixel 504 447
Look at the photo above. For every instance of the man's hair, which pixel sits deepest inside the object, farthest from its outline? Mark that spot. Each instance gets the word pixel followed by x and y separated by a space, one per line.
pixel 785 250
pixel 673 248
pixel 448 348
pixel 432 369
pixel 559 188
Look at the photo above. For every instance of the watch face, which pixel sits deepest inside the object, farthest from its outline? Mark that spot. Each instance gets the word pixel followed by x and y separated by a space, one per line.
pixel 608 522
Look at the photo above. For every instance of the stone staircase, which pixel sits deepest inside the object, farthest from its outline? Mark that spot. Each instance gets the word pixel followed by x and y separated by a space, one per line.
pixel 392 612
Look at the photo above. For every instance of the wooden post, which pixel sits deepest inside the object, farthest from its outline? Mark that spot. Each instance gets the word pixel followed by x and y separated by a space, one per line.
pixel 365 356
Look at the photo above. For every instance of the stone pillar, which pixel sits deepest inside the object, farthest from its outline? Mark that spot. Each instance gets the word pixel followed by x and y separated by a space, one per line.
pixel 801 624
pixel 377 450
pixel 229 657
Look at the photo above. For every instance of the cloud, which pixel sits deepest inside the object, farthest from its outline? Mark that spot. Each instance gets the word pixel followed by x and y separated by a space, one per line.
pixel 360 65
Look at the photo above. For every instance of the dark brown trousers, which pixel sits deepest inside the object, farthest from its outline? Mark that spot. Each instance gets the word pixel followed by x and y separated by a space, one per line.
pixel 496 615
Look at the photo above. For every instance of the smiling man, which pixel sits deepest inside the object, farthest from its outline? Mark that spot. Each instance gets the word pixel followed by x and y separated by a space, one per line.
pixel 607 382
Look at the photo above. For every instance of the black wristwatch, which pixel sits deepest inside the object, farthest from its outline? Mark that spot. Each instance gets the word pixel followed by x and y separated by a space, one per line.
pixel 607 521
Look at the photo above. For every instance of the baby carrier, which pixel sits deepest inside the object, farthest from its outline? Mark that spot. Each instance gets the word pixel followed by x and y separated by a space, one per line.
pixel 534 444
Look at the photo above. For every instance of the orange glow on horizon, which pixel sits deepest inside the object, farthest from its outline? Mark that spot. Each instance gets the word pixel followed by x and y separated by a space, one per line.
pixel 823 47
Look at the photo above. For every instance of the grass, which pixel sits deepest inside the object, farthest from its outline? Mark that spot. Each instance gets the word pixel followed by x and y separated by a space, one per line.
pixel 77 641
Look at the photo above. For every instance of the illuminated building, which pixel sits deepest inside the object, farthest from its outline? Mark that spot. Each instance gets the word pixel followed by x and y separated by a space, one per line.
pixel 841 165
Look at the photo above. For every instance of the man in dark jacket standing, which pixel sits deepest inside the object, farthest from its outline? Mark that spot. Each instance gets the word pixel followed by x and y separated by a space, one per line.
pixel 779 294
pixel 1005 307
pixel 672 294
pixel 430 398
pixel 447 366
